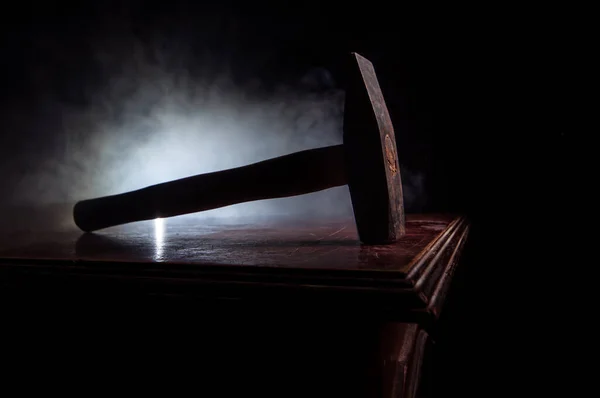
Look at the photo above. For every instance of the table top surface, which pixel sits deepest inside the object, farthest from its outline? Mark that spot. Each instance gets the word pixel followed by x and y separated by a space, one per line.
pixel 49 233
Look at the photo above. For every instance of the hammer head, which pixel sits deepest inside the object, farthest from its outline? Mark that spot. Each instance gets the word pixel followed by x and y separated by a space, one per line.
pixel 372 168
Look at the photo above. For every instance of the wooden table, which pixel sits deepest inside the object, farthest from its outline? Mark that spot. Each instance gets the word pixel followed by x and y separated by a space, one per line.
pixel 308 266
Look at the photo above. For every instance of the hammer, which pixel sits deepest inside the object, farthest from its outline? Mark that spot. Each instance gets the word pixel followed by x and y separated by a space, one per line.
pixel 366 161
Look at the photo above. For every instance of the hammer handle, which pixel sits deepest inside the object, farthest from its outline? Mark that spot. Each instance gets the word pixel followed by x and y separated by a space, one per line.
pixel 295 174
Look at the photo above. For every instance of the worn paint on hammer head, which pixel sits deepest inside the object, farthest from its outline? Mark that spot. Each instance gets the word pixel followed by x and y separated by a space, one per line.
pixel 371 156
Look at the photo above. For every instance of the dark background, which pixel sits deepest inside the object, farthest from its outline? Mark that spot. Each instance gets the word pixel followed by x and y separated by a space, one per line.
pixel 433 65
pixel 429 63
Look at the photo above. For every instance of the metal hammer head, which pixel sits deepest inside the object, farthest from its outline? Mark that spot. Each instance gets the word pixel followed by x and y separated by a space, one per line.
pixel 373 172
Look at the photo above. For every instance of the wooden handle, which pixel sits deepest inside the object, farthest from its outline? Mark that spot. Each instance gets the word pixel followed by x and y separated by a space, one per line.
pixel 296 174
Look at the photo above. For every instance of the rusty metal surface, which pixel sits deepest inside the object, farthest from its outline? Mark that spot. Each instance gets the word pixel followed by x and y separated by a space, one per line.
pixel 373 169
pixel 312 244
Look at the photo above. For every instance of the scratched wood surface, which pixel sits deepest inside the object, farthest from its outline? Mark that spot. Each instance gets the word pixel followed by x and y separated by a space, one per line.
pixel 272 242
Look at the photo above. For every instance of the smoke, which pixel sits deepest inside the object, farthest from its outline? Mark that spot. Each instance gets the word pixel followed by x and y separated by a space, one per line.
pixel 148 115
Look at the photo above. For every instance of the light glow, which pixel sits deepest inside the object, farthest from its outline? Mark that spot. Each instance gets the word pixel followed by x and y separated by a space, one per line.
pixel 159 238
